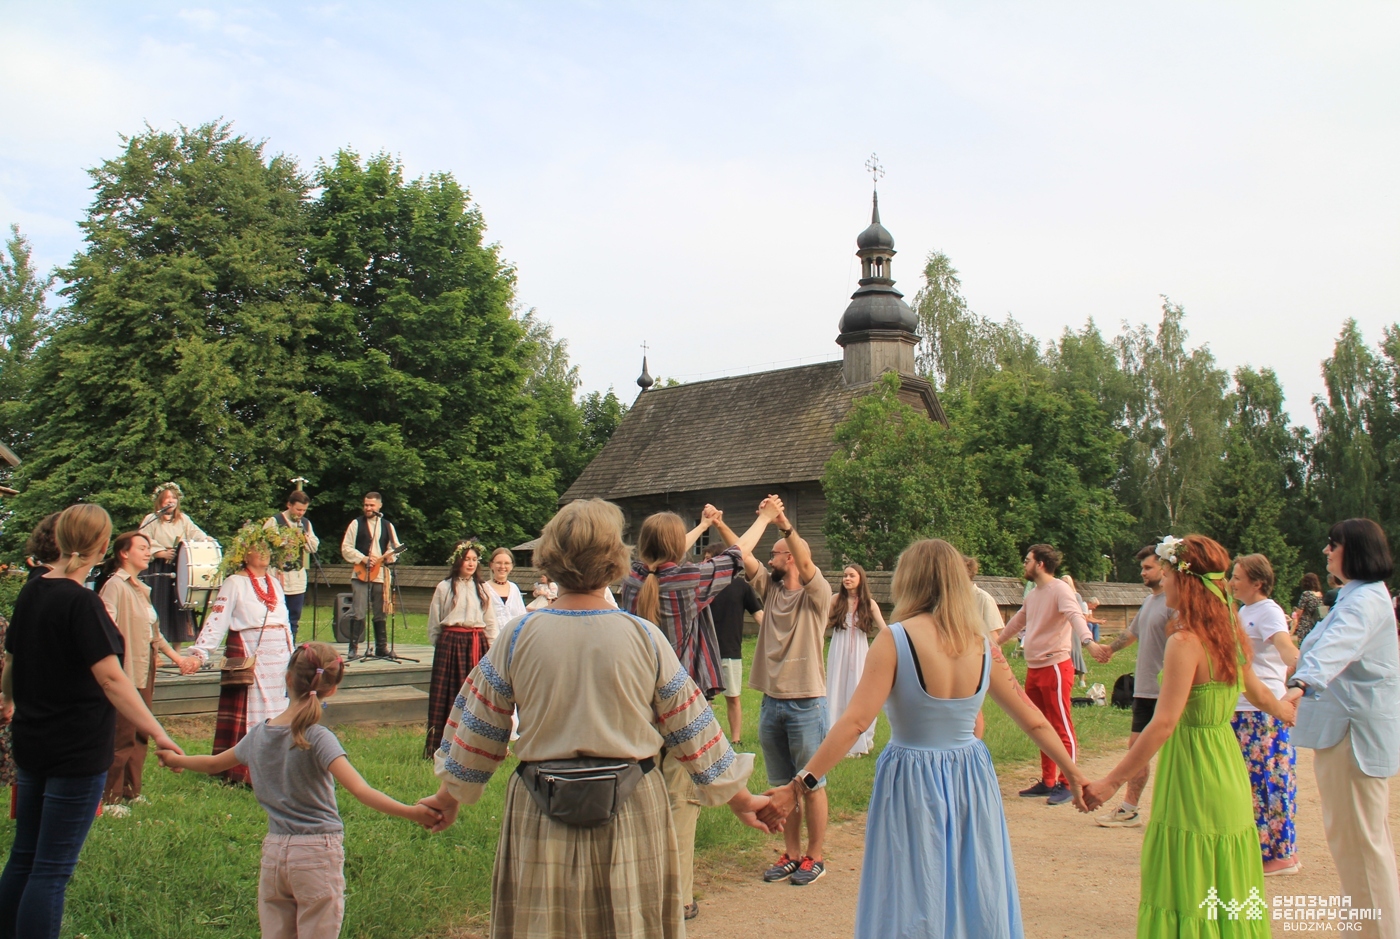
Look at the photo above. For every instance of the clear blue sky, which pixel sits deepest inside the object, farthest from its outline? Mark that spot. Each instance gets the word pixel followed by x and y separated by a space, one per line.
pixel 691 174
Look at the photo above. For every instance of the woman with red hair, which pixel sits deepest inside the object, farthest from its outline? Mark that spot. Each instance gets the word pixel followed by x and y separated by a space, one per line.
pixel 1201 844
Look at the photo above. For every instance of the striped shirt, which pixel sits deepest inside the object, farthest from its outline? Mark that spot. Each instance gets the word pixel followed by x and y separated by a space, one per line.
pixel 685 594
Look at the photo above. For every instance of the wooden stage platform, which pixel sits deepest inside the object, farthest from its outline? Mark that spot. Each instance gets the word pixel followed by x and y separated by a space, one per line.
pixel 372 690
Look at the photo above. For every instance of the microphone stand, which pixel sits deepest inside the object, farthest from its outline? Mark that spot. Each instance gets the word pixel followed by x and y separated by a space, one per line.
pixel 397 597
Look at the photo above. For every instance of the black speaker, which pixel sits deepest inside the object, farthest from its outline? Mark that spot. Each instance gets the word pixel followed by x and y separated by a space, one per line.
pixel 344 624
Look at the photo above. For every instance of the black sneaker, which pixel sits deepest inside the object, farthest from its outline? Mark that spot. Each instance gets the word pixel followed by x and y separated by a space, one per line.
pixel 1060 795
pixel 780 871
pixel 808 871
pixel 1038 791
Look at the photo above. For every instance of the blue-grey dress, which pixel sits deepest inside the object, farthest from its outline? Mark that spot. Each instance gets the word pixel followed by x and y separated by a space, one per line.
pixel 937 854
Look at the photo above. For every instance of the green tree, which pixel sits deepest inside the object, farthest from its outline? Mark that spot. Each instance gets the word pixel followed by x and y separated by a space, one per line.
pixel 1260 475
pixel 958 349
pixel 420 363
pixel 179 355
pixel 551 385
pixel 1176 422
pixel 895 477
pixel 1345 469
pixel 24 325
pixel 601 413
pixel 1046 460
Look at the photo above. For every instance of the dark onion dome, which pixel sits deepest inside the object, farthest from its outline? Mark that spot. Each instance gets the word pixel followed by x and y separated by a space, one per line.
pixel 644 380
pixel 876 304
pixel 876 236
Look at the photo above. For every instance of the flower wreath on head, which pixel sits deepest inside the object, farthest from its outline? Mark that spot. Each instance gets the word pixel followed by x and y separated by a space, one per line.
pixel 282 546
pixel 168 487
pixel 460 552
pixel 1169 551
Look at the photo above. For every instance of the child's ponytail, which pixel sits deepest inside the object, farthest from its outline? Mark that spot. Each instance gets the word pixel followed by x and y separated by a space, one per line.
pixel 314 670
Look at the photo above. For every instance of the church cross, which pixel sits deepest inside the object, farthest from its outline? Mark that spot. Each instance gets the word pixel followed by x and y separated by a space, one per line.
pixel 876 171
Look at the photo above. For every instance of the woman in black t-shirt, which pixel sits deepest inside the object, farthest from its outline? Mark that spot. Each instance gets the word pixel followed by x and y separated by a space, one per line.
pixel 63 684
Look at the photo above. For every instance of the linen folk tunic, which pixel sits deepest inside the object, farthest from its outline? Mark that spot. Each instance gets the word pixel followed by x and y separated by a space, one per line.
pixel 587 683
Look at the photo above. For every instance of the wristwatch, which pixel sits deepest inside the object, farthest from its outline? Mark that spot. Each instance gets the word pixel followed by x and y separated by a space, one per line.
pixel 807 781
pixel 1295 683
pixel 785 532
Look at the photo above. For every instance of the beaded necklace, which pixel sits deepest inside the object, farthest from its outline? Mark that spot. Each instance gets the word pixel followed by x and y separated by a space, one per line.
pixel 267 596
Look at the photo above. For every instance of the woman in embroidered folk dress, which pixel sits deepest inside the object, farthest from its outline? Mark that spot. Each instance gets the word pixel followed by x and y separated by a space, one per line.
pixel 128 602
pixel 167 526
pixel 506 601
pixel 588 680
pixel 855 619
pixel 1201 849
pixel 461 627
pixel 249 619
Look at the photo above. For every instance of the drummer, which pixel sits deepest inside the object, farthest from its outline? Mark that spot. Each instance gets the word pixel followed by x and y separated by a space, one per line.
pixel 167 526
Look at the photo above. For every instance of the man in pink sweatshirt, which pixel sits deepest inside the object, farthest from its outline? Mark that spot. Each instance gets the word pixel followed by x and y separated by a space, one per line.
pixel 1052 619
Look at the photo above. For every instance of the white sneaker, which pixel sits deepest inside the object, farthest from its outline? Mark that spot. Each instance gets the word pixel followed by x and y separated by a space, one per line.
pixel 116 810
pixel 1123 818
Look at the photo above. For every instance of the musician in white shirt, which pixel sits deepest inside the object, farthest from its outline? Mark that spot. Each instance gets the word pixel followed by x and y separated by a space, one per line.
pixel 294 580
pixel 369 544
pixel 166 527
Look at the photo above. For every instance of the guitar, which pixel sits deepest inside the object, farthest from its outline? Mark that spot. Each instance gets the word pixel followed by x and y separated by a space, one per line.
pixel 369 570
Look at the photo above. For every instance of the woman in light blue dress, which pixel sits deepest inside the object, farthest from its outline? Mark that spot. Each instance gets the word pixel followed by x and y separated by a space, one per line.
pixel 937 855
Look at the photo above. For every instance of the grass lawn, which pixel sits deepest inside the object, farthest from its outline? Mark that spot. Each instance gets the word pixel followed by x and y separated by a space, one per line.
pixel 187 863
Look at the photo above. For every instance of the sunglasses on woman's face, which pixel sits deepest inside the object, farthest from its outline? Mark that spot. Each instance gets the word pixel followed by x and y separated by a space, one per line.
pixel 1332 545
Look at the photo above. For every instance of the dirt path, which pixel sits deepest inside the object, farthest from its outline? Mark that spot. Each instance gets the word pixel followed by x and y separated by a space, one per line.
pixel 1077 880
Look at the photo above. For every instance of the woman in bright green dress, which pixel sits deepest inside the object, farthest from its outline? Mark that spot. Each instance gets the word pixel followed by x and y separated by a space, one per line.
pixel 1201 870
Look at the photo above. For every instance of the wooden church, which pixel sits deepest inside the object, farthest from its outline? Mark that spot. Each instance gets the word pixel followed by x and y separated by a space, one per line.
pixel 683 446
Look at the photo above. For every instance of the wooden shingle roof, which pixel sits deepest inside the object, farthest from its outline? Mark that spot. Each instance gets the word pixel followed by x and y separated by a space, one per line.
pixel 766 428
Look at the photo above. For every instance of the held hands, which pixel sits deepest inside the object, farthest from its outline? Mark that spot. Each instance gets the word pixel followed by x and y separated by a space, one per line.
pixel 711 515
pixel 754 811
pixel 770 508
pixel 781 801
pixel 1100 653
pixel 1096 793
pixel 444 806
pixel 1076 787
pixel 172 760
pixel 425 815
pixel 189 664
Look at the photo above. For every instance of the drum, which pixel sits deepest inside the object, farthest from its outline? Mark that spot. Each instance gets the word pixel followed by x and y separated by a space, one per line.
pixel 197 577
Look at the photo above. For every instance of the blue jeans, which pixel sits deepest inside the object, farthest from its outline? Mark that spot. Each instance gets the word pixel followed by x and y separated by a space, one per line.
pixel 52 818
pixel 790 730
pixel 295 602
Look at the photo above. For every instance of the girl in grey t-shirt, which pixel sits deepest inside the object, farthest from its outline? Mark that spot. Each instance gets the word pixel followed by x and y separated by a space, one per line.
pixel 295 763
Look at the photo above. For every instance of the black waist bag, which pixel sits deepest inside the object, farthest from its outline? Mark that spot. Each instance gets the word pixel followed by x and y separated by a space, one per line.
pixel 585 792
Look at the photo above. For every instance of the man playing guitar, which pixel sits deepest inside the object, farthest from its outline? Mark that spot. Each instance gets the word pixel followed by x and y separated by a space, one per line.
pixel 369 544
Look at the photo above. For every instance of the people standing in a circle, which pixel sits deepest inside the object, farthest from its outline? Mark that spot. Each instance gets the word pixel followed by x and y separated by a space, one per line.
pixel 727 610
pixel 1268 754
pixel 854 620
pixel 128 602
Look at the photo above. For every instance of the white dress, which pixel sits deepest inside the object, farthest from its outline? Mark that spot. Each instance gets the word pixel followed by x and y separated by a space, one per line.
pixel 845 660
pixel 506 608
pixel 264 632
